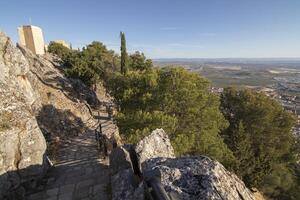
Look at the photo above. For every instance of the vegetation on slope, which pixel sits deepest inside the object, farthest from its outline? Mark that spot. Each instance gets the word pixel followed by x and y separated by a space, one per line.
pixel 260 137
pixel 89 64
pixel 247 131
pixel 176 100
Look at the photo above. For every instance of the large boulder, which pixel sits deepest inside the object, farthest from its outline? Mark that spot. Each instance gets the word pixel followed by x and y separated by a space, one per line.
pixel 22 145
pixel 187 177
pixel 197 178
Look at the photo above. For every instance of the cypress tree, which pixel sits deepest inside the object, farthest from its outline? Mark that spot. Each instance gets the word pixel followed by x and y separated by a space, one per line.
pixel 124 56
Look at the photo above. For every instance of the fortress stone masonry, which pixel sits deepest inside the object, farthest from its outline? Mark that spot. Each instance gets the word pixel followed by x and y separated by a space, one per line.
pixel 32 38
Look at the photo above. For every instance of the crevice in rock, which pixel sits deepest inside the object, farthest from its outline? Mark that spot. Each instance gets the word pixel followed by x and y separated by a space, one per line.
pixel 135 162
pixel 5 50
pixel 17 160
pixel 218 192
pixel 18 154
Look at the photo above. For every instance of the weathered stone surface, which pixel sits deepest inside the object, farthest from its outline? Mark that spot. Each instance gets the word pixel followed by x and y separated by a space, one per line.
pixel 65 110
pixel 188 177
pixel 22 145
pixel 198 178
pixel 157 144
pixel 182 178
pixel 119 160
pixel 125 186
pixel 124 182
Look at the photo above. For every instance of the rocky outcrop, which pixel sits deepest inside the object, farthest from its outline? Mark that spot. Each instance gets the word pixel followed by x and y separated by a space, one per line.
pixel 65 102
pixel 124 178
pixel 22 145
pixel 68 107
pixel 120 159
pixel 36 102
pixel 156 145
pixel 178 178
pixel 197 178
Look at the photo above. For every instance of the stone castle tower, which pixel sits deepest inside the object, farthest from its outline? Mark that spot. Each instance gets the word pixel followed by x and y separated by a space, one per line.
pixel 32 38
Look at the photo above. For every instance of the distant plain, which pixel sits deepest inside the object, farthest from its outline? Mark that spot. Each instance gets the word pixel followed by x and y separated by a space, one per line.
pixel 243 72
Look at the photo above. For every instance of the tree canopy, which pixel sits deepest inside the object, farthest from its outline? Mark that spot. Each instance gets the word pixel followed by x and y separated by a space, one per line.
pixel 260 136
pixel 58 49
pixel 90 64
pixel 178 101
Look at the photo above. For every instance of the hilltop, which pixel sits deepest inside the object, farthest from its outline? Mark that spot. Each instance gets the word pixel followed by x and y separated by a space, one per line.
pixel 52 105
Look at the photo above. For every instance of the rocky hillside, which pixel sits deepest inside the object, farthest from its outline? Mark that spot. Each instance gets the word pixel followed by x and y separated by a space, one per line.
pixel 151 169
pixel 66 103
pixel 22 145
pixel 39 106
pixel 36 102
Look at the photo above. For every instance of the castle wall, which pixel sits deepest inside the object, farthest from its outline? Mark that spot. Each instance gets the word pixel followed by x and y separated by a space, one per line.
pixel 32 38
pixel 38 40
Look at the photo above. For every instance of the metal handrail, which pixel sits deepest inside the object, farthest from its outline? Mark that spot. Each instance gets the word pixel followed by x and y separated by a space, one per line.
pixel 100 138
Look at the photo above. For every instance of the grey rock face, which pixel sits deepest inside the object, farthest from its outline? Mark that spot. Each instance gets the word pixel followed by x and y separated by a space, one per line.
pixel 125 183
pixel 188 177
pixel 125 186
pixel 198 178
pixel 119 159
pixel 22 145
pixel 64 111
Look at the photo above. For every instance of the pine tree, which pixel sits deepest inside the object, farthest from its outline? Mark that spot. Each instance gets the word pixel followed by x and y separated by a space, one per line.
pixel 263 141
pixel 241 146
pixel 124 56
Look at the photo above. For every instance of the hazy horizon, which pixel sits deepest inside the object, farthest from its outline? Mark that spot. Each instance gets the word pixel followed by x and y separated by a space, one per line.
pixel 220 58
pixel 166 29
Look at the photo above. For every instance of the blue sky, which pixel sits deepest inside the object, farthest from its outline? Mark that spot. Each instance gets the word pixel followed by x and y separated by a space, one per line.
pixel 165 28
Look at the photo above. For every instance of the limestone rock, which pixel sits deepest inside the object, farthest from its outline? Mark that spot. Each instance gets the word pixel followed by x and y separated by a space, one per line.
pixel 198 178
pixel 188 177
pixel 22 145
pixel 157 144
pixel 65 109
